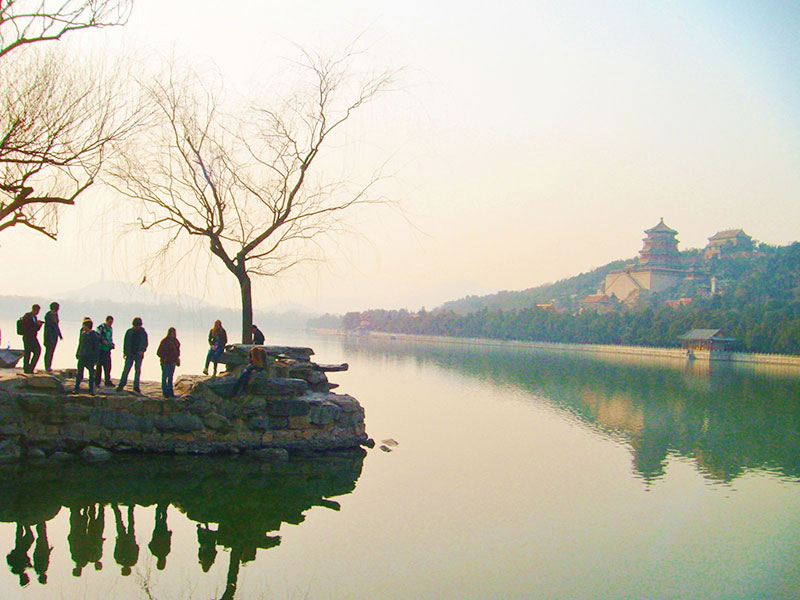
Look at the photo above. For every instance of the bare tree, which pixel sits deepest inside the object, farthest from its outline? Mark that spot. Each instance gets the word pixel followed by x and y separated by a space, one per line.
pixel 56 117
pixel 24 22
pixel 244 184
pixel 56 121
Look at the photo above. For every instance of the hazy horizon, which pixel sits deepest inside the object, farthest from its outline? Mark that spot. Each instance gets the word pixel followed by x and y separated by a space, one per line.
pixel 526 144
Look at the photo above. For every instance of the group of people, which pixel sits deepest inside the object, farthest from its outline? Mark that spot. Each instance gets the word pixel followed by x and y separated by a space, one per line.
pixel 95 346
pixel 94 349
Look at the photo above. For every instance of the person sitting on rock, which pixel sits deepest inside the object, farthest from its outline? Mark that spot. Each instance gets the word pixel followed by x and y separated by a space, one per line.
pixel 258 360
pixel 258 336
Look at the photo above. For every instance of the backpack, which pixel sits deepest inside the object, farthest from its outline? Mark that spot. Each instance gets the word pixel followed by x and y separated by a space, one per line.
pixel 20 326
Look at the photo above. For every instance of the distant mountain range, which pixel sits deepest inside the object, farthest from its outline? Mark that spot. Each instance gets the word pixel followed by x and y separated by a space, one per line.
pixel 126 300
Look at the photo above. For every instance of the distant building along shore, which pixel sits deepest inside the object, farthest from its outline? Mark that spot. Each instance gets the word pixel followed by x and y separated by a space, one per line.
pixel 660 267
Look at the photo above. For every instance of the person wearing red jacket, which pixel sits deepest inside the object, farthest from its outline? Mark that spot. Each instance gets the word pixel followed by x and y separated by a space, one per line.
pixel 169 351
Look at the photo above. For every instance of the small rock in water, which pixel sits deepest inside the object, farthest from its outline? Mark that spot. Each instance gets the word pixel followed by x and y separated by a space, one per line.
pixel 94 453
pixel 390 442
pixel 276 454
pixel 62 456
pixel 35 453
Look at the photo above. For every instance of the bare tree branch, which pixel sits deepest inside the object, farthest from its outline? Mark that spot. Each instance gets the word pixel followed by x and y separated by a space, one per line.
pixel 57 121
pixel 24 22
pixel 244 181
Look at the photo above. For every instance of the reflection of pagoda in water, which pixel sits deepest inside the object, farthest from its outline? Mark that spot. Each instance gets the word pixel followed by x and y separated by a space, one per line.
pixel 235 505
pixel 726 420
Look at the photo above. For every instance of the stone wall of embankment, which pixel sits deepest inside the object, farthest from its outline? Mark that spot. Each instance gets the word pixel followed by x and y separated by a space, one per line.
pixel 38 417
pixel 644 351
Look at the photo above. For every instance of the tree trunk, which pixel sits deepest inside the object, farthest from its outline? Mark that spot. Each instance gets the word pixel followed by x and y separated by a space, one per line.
pixel 247 307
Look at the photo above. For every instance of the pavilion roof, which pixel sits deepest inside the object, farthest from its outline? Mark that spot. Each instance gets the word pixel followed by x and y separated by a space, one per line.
pixel 660 228
pixel 705 334
pixel 728 233
pixel 596 298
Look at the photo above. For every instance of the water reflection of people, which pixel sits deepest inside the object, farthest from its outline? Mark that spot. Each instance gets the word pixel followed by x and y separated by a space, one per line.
pixel 94 535
pixel 207 550
pixel 237 518
pixel 76 539
pixel 126 550
pixel 41 553
pixel 162 537
pixel 18 558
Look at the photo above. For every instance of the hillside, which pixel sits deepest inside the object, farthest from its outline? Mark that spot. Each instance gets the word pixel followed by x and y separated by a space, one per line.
pixel 563 292
pixel 757 301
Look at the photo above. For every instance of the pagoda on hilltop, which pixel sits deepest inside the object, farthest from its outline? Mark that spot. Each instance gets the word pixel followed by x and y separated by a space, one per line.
pixel 658 268
pixel 660 247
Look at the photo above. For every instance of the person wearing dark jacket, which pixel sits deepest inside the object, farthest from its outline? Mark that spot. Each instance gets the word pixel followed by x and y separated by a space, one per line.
pixel 217 339
pixel 88 350
pixel 169 351
pixel 133 349
pixel 258 336
pixel 30 329
pixel 106 332
pixel 52 333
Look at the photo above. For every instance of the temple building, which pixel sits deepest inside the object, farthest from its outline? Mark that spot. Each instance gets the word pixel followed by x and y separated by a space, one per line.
pixel 711 340
pixel 660 248
pixel 658 268
pixel 731 242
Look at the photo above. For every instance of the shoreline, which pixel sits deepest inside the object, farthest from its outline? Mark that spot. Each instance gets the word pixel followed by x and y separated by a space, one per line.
pixel 791 362
pixel 285 407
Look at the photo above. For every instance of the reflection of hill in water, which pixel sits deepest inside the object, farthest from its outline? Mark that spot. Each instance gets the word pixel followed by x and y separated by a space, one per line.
pixel 235 503
pixel 726 419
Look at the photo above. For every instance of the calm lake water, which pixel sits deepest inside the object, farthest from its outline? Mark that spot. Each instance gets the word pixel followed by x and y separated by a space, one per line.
pixel 517 474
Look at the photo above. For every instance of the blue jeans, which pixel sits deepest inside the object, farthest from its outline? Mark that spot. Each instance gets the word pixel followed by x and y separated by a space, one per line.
pixel 213 354
pixel 244 379
pixel 89 365
pixel 135 361
pixel 49 350
pixel 167 372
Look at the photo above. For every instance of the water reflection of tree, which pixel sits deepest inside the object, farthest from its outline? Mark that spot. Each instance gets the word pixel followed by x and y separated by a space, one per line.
pixel 236 503
pixel 726 419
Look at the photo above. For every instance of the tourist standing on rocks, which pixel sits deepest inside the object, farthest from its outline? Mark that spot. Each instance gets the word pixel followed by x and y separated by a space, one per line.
pixel 52 333
pixel 169 351
pixel 133 349
pixel 258 336
pixel 106 346
pixel 217 339
pixel 88 351
pixel 29 326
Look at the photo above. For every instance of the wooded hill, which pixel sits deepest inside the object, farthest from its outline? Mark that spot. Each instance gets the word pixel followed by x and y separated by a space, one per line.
pixel 759 305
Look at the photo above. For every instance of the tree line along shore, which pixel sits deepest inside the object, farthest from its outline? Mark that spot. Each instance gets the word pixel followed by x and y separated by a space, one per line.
pixel 759 306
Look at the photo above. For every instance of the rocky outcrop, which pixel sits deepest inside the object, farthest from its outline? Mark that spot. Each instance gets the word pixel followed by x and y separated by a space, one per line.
pixel 274 412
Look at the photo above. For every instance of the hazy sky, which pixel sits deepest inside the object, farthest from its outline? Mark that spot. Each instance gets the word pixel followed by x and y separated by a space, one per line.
pixel 530 141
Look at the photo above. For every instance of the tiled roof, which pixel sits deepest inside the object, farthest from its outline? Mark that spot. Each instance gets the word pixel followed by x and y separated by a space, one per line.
pixel 704 334
pixel 660 228
pixel 728 233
